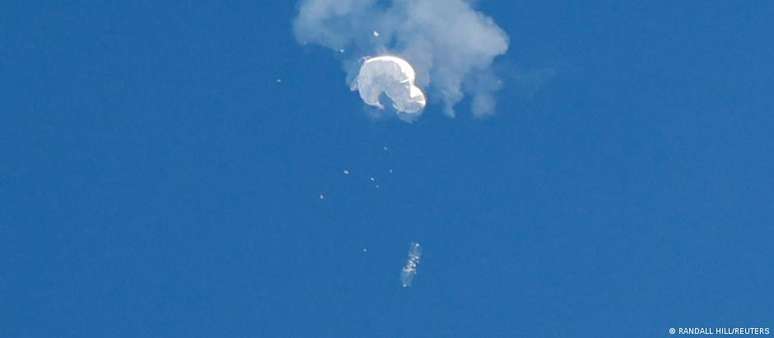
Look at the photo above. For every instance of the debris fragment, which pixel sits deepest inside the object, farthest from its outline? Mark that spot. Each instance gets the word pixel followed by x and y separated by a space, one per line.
pixel 410 268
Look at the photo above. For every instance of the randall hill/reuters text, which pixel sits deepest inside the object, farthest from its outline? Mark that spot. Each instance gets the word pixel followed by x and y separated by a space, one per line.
pixel 720 330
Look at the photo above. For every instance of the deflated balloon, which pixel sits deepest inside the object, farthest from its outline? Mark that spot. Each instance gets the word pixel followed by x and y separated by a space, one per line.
pixel 393 77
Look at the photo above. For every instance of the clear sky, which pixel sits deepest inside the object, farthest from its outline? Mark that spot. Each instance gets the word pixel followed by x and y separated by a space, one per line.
pixel 158 181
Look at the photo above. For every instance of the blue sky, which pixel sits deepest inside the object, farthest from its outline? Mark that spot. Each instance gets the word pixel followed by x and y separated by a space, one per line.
pixel 157 181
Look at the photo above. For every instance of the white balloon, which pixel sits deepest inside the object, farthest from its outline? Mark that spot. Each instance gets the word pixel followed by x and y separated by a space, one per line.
pixel 394 77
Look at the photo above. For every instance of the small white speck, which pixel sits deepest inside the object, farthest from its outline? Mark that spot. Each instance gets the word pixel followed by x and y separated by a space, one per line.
pixel 372 179
pixel 322 196
pixel 376 34
pixel 279 80
pixel 365 250
pixel 341 50
pixel 346 172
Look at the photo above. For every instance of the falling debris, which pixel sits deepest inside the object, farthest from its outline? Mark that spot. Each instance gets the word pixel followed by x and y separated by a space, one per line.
pixel 372 179
pixel 346 172
pixel 410 268
pixel 341 51
pixel 376 34
pixel 322 196
pixel 365 250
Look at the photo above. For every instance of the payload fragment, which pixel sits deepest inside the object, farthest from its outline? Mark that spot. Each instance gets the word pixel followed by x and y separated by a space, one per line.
pixel 393 77
pixel 410 268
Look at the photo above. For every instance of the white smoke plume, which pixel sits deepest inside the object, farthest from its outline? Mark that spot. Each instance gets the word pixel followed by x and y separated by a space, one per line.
pixel 450 45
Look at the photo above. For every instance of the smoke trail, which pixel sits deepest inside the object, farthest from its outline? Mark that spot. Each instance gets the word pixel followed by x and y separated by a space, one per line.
pixel 450 45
